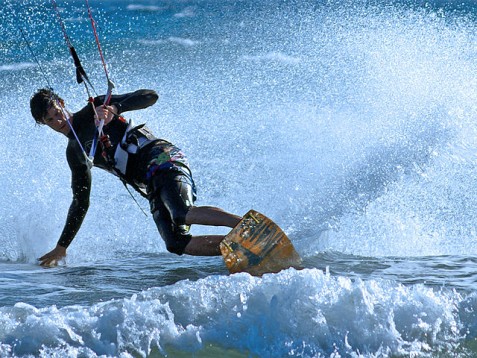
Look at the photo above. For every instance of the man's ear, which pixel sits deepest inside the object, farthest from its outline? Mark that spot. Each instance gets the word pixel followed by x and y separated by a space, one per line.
pixel 62 102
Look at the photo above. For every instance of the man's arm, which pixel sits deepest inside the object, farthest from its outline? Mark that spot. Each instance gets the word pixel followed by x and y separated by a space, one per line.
pixel 81 186
pixel 139 99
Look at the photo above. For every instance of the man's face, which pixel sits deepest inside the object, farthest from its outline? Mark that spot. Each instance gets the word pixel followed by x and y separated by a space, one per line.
pixel 56 120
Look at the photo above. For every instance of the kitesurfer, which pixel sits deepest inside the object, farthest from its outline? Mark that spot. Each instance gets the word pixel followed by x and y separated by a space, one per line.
pixel 154 167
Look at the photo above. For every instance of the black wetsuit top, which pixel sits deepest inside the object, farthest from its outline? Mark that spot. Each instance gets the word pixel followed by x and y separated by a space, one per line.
pixel 84 126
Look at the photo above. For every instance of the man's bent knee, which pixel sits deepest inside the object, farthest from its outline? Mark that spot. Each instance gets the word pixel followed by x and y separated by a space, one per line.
pixel 176 237
pixel 179 240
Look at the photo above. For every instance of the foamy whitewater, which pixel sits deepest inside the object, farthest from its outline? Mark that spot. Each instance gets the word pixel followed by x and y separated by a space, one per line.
pixel 352 124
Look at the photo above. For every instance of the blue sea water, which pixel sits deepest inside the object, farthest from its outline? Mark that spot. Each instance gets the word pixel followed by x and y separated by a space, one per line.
pixel 352 124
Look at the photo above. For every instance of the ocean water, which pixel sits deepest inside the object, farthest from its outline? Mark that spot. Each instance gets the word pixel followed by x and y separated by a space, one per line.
pixel 352 124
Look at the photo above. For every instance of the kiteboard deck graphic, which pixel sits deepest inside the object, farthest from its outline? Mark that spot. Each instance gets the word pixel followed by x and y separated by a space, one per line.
pixel 257 245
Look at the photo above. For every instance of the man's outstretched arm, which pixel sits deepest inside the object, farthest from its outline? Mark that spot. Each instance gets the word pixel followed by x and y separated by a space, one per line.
pixel 81 185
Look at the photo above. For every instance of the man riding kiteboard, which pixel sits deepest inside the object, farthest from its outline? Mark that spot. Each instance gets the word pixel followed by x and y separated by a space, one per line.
pixel 154 167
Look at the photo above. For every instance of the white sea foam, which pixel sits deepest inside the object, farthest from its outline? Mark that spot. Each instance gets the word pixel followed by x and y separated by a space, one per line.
pixel 139 7
pixel 186 12
pixel 275 57
pixel 186 42
pixel 328 315
pixel 17 66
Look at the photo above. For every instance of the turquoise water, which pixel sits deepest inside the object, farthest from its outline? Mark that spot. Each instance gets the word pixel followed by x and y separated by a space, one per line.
pixel 349 123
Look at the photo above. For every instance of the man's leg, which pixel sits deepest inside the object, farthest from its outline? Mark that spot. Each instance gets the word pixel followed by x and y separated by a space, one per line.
pixel 175 197
pixel 208 245
pixel 204 245
pixel 209 215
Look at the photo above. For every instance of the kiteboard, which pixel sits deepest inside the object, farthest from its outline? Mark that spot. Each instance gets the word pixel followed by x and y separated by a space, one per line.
pixel 257 245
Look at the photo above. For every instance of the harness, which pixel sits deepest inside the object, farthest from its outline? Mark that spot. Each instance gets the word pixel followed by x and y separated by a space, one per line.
pixel 136 138
pixel 117 158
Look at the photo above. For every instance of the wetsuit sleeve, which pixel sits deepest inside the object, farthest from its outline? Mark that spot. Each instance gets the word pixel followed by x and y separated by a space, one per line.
pixel 81 186
pixel 139 99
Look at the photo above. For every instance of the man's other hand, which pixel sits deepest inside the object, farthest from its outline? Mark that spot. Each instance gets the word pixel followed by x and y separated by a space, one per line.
pixel 52 258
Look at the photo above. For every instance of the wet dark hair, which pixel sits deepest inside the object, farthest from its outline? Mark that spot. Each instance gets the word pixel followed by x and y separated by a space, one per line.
pixel 41 102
